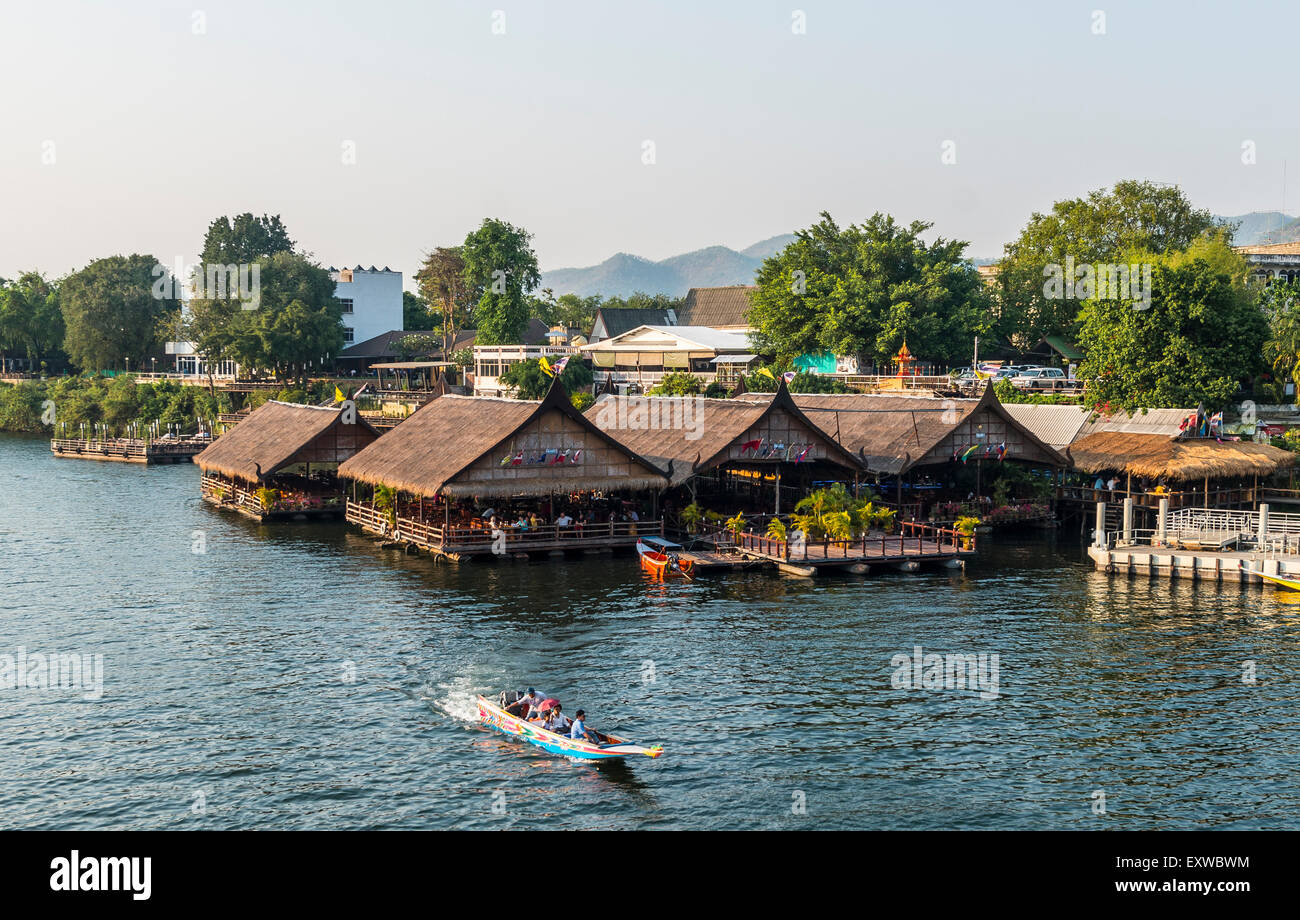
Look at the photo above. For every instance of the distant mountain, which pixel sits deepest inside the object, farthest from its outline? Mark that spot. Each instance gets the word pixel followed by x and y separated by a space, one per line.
pixel 623 274
pixel 1261 227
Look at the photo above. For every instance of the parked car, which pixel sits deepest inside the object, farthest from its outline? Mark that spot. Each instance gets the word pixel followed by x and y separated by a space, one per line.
pixel 1039 378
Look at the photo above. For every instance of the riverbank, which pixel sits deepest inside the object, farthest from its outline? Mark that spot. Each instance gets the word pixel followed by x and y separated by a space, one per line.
pixel 119 404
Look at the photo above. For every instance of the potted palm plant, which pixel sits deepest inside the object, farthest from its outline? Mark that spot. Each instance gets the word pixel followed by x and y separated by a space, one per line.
pixel 965 526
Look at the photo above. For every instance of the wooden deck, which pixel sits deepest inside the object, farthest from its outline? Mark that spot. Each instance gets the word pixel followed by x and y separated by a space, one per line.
pixel 913 545
pixel 226 495
pixel 129 450
pixel 458 542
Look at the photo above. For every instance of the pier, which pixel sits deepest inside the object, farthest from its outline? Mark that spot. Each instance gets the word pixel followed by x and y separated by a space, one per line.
pixel 1202 544
pixel 130 450
pixel 914 545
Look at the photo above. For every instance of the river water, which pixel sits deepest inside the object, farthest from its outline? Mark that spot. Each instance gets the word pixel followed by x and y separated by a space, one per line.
pixel 298 676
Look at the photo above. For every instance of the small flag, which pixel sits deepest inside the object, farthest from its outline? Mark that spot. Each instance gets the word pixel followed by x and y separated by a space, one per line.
pixel 546 367
pixel 338 395
pixel 766 372
pixel 788 375
pixel 560 365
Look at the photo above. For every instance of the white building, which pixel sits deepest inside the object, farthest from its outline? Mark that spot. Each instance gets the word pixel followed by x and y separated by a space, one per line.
pixel 372 305
pixel 644 355
pixel 372 301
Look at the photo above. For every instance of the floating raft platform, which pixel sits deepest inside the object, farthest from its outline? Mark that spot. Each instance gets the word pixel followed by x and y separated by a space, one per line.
pixel 130 450
pixel 915 545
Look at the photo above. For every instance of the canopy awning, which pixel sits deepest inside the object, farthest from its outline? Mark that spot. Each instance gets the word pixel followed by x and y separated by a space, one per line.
pixel 733 359
pixel 411 365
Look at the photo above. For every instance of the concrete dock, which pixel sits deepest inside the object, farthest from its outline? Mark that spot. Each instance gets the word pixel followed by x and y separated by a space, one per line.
pixel 1202 544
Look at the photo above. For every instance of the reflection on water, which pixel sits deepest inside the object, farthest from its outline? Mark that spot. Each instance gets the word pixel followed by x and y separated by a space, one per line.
pixel 299 676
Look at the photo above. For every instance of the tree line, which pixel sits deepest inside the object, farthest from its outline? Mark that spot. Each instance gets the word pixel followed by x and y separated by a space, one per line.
pixel 1156 298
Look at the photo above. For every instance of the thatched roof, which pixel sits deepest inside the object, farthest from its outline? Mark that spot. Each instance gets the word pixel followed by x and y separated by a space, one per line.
pixel 892 434
pixel 1156 455
pixel 461 445
pixel 278 434
pixel 690 436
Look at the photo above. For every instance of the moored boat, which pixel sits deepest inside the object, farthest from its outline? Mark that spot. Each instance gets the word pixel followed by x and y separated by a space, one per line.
pixel 1290 584
pixel 663 558
pixel 494 716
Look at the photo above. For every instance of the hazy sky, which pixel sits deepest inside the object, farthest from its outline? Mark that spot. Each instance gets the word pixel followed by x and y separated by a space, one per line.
pixel 159 116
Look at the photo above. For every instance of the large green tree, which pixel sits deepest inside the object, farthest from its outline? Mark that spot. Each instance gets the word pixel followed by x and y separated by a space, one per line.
pixel 1201 337
pixel 441 279
pixel 864 289
pixel 245 239
pixel 114 310
pixel 31 322
pixel 296 325
pixel 1101 227
pixel 1281 301
pixel 415 313
pixel 501 267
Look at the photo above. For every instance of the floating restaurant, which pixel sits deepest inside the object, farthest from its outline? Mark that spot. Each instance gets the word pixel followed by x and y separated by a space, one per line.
pixel 765 452
pixel 475 476
pixel 282 461
pixel 923 452
pixel 728 445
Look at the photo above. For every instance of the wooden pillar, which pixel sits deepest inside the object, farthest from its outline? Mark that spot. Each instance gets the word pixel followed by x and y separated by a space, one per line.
pixel 778 490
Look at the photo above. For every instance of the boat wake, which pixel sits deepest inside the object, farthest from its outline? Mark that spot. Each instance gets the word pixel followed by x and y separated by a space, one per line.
pixel 460 704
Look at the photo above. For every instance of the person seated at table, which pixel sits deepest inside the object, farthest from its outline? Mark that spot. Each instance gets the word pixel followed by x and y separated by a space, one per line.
pixel 522 523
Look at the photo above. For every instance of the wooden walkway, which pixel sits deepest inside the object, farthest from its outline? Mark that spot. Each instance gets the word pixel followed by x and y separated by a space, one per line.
pixel 913 545
pixel 129 450
pixel 457 542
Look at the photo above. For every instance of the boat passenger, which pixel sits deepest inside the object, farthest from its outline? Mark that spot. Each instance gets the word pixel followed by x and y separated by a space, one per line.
pixel 578 730
pixel 557 721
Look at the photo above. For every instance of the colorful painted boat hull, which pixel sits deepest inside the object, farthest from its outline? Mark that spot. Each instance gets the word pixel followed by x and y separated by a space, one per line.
pixel 1289 583
pixel 495 717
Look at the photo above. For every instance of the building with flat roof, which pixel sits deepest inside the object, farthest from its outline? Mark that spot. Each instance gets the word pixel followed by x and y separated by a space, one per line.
pixel 372 301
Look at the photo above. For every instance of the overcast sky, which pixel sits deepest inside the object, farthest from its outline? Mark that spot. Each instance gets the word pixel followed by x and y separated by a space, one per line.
pixel 128 126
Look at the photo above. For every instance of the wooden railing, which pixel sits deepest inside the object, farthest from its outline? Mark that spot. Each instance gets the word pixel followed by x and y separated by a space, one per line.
pixel 461 539
pixel 911 540
pixel 105 447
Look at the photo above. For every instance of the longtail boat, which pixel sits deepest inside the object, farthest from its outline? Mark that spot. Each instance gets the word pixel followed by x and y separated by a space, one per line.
pixel 494 716
pixel 1290 584
pixel 663 558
